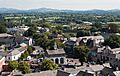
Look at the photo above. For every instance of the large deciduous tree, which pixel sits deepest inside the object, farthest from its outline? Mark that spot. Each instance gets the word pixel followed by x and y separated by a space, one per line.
pixel 81 52
pixel 31 31
pixel 83 33
pixel 30 49
pixel 58 43
pixel 113 41
pixel 13 65
pixel 24 67
pixel 3 28
pixel 42 41
pixel 24 55
pixel 48 65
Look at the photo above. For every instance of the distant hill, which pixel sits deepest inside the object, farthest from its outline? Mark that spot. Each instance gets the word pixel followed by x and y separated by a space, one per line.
pixel 43 10
pixel 9 10
pixel 40 10
pixel 46 10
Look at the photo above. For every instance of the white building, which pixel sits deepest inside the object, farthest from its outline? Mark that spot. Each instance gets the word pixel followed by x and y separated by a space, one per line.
pixel 6 38
pixel 87 23
pixel 2 62
pixel 107 54
pixel 57 56
pixel 28 41
pixel 38 50
pixel 97 39
pixel 2 59
pixel 23 27
pixel 15 53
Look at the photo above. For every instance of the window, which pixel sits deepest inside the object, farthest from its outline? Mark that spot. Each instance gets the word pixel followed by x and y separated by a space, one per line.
pixel 52 59
pixel 107 58
pixel 9 58
pixel 57 61
pixel 61 60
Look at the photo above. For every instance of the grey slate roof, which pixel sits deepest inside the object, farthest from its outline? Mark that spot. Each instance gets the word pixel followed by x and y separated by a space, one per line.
pixel 38 48
pixel 5 35
pixel 55 52
pixel 2 54
pixel 62 73
pixel 43 73
pixel 17 51
pixel 82 73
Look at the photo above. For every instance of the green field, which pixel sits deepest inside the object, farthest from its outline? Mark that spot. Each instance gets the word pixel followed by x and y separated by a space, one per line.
pixel 19 17
pixel 113 22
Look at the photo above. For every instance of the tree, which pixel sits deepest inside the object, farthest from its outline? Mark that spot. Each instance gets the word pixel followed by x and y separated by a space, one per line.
pixel 36 36
pixel 81 52
pixel 48 65
pixel 113 41
pixel 24 55
pixel 47 33
pixel 59 43
pixel 24 67
pixel 114 27
pixel 83 33
pixel 97 24
pixel 46 25
pixel 40 56
pixel 30 49
pixel 59 28
pixel 31 31
pixel 27 20
pixel 72 35
pixel 53 42
pixel 42 41
pixel 3 29
pixel 94 29
pixel 66 36
pixel 13 65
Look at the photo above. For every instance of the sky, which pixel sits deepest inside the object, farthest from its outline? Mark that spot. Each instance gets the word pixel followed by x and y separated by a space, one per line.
pixel 61 4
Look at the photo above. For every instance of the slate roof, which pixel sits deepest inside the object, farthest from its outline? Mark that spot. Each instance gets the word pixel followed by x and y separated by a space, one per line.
pixel 82 73
pixel 116 50
pixel 93 68
pixel 5 35
pixel 116 73
pixel 17 51
pixel 62 73
pixel 49 73
pixel 43 73
pixel 90 37
pixel 70 42
pixel 106 71
pixel 38 48
pixel 2 54
pixel 55 52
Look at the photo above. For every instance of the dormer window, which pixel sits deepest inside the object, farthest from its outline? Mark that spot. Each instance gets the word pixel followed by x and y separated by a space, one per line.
pixel 9 58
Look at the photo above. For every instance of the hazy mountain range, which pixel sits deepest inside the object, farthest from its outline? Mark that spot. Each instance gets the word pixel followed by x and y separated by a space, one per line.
pixel 47 10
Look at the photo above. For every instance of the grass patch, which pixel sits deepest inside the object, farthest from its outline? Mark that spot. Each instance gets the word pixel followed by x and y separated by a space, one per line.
pixel 113 22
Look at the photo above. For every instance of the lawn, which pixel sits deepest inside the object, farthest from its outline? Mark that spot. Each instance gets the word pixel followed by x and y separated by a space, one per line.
pixel 113 22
